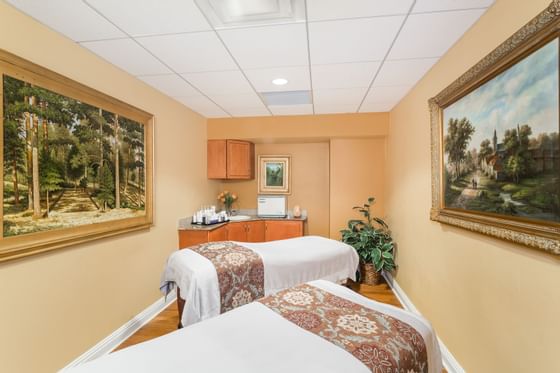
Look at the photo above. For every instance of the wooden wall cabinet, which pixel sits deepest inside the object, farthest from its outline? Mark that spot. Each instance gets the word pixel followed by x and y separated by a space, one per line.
pixel 282 229
pixel 231 159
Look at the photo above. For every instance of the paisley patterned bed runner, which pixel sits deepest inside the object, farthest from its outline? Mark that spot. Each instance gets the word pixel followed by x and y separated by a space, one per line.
pixel 383 343
pixel 240 272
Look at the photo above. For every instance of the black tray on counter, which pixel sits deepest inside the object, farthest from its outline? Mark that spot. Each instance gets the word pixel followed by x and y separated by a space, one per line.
pixel 218 222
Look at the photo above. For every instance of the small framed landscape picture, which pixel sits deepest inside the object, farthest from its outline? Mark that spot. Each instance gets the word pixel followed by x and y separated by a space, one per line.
pixel 274 174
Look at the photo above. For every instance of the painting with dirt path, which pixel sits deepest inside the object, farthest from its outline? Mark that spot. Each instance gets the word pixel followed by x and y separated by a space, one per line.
pixel 67 163
pixel 501 144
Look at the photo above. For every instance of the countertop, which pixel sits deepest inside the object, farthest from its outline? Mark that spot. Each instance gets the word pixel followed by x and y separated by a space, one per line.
pixel 185 224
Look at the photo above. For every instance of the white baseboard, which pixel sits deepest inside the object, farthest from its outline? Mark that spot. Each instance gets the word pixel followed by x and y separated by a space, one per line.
pixel 113 340
pixel 449 362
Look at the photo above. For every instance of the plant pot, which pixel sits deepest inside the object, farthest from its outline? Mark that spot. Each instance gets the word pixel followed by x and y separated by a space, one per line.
pixel 369 275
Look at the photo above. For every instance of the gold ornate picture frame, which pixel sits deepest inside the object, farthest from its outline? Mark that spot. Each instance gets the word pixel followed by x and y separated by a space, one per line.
pixel 495 170
pixel 77 163
pixel 274 174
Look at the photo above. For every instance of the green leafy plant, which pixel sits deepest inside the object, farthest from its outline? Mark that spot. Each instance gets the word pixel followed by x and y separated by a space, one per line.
pixel 371 238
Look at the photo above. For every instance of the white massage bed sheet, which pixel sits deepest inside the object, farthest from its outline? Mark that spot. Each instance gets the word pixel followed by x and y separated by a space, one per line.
pixel 254 339
pixel 286 263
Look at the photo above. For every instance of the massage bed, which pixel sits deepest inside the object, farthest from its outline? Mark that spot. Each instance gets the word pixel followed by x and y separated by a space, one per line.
pixel 216 277
pixel 317 327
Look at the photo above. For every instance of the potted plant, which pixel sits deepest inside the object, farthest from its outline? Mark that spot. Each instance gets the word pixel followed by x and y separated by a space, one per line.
pixel 373 243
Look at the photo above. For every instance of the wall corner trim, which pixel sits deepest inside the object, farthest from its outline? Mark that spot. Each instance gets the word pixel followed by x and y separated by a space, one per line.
pixel 449 361
pixel 113 340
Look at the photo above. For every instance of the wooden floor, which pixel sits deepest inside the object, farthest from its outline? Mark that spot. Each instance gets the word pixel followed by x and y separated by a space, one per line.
pixel 168 319
pixel 164 323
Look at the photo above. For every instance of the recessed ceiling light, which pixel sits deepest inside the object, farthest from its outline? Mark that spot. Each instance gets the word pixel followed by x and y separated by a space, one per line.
pixel 280 81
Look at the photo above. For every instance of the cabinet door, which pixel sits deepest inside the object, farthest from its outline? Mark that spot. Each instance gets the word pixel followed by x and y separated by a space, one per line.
pixel 255 231
pixel 236 232
pixel 240 159
pixel 280 230
pixel 218 234
pixel 189 238
pixel 217 161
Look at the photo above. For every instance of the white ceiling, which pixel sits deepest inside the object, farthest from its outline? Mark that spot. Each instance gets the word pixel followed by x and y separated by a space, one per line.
pixel 354 55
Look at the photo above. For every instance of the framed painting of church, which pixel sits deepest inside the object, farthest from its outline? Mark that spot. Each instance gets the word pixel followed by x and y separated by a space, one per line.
pixel 495 143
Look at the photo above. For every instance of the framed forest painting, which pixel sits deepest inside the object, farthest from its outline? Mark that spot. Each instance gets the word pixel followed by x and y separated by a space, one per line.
pixel 274 174
pixel 495 144
pixel 77 164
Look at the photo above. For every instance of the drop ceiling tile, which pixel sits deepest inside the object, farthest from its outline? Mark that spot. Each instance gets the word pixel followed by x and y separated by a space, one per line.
pixel 73 19
pixel 203 106
pixel 270 46
pixel 152 17
pixel 335 9
pixel 171 85
pixel 220 82
pixel 377 107
pixel 403 72
pixel 440 5
pixel 193 52
pixel 127 55
pixel 298 79
pixel 238 101
pixel 250 112
pixel 343 75
pixel 335 109
pixel 358 40
pixel 422 34
pixel 342 96
pixel 380 94
pixel 291 109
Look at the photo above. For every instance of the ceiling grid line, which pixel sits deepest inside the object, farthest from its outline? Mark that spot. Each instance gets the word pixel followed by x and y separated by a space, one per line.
pixel 309 59
pixel 157 58
pixel 450 10
pixel 356 18
pixel 234 60
pixel 220 57
pixel 392 15
pixel 138 36
pixel 103 39
pixel 386 55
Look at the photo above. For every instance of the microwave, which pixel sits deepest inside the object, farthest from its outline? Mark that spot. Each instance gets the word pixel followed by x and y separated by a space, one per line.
pixel 271 206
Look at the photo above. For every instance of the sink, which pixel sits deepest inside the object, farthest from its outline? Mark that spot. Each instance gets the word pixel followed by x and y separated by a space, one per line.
pixel 239 217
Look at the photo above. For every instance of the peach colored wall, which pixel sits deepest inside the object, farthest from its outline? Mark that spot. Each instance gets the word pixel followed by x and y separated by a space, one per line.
pixel 309 185
pixel 357 156
pixel 299 127
pixel 357 172
pixel 493 303
pixel 55 306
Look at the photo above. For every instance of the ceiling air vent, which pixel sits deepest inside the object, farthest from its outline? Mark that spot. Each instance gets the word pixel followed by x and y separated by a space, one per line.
pixel 286 98
pixel 239 13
